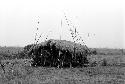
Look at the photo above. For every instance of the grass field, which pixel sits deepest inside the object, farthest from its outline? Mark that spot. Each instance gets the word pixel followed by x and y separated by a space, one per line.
pixel 9 52
pixel 19 71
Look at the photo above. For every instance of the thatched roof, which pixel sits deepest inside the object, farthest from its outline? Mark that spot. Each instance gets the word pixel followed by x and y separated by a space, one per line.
pixel 65 45
pixel 58 53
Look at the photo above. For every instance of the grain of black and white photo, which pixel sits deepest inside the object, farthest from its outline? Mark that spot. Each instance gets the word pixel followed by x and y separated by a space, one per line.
pixel 62 42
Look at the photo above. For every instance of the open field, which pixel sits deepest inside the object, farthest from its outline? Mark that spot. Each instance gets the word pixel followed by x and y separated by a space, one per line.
pixel 19 71
pixel 9 52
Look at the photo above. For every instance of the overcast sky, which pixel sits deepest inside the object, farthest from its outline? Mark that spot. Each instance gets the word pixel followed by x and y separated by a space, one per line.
pixel 102 19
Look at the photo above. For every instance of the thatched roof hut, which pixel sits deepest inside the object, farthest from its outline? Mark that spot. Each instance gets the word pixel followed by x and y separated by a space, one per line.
pixel 59 53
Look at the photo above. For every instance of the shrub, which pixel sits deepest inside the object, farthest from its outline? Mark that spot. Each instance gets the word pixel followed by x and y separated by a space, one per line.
pixel 104 62
pixel 94 52
pixel 93 64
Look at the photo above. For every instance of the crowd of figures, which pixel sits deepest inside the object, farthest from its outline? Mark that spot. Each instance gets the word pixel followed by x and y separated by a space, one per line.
pixel 49 55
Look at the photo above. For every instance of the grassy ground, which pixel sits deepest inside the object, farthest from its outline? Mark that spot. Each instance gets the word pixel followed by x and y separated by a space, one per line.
pixel 9 52
pixel 20 72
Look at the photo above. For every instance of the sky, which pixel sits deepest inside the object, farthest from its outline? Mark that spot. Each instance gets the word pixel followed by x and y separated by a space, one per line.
pixel 100 23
